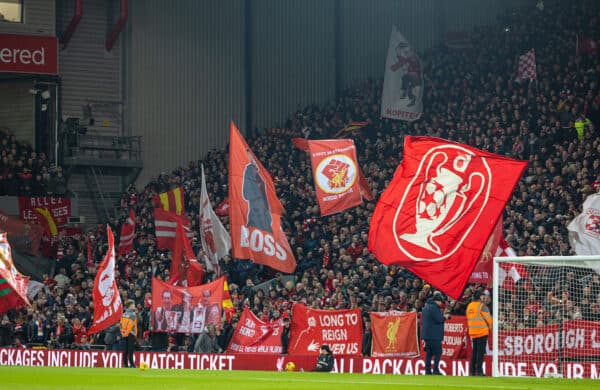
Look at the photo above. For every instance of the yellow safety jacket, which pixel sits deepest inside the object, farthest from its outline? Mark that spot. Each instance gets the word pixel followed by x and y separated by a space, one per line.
pixel 479 320
pixel 129 324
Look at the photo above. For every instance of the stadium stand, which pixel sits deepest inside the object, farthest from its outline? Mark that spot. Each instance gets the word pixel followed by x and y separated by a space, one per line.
pixel 471 97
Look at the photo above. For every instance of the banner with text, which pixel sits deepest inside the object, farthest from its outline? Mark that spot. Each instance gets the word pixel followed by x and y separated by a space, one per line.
pixel 394 334
pixel 340 329
pixel 229 362
pixel 255 336
pixel 335 172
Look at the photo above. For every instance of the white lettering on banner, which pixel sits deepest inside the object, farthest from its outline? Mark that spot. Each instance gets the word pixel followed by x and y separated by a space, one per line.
pixel 543 342
pixel 212 362
pixel 453 327
pixel 334 334
pixel 22 56
pixel 452 340
pixel 259 241
pixel 45 201
pixel 245 331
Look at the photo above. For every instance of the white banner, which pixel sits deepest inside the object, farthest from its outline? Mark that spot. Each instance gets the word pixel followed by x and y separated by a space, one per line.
pixel 402 96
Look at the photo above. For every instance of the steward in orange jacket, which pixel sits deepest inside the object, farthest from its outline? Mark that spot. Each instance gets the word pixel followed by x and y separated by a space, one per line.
pixel 479 322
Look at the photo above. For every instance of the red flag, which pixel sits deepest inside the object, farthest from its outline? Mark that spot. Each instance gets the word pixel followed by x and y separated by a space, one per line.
pixel 172 201
pixel 185 270
pixel 365 190
pixel 165 226
pixel 586 45
pixel 527 66
pixel 255 336
pixel 13 285
pixel 335 172
pixel 127 234
pixel 436 215
pixel 255 212
pixel 108 308
pixel 510 273
pixel 342 330
pixel 223 208
pixel 394 334
pixel 482 273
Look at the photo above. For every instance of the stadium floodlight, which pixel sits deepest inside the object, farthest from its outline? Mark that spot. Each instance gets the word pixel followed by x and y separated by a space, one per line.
pixel 546 313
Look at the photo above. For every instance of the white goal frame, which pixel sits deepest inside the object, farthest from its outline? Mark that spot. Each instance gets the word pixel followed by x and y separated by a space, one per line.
pixel 568 261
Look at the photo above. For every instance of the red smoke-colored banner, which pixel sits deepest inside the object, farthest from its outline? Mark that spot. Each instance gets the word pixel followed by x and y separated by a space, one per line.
pixel 28 54
pixel 340 329
pixel 394 334
pixel 482 273
pixel 336 174
pixel 185 309
pixel 255 336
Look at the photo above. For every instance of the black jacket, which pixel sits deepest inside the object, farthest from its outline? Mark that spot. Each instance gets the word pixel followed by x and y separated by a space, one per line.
pixel 324 363
pixel 433 322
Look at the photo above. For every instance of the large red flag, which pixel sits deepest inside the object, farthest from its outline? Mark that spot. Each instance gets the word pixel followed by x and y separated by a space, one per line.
pixel 436 215
pixel 108 307
pixel 255 210
pixel 185 270
pixel 127 234
pixel 335 172
pixel 165 226
pixel 13 285
pixel 172 201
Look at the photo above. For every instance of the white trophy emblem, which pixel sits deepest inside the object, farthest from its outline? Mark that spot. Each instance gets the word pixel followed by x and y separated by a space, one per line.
pixel 449 189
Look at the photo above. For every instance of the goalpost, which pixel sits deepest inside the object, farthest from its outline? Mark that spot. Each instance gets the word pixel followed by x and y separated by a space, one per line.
pixel 546 316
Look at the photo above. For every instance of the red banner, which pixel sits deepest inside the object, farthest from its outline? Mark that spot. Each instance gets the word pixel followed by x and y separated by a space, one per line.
pixel 442 204
pixel 25 238
pixel 482 273
pixel 456 343
pixel 229 362
pixel 49 211
pixel 394 334
pixel 28 54
pixel 255 336
pixel 255 210
pixel 108 307
pixel 335 172
pixel 186 309
pixel 578 338
pixel 185 270
pixel 340 329
pixel 13 285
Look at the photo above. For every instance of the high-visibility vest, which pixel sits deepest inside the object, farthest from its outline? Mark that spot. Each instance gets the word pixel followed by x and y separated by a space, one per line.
pixel 128 326
pixel 479 320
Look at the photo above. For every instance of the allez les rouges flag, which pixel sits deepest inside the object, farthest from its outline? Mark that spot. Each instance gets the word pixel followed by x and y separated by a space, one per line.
pixel 108 307
pixel 335 172
pixel 255 211
pixel 440 208
pixel 342 330
pixel 254 336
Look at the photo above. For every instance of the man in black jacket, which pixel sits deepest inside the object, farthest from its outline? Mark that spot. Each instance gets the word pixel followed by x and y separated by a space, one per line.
pixel 285 336
pixel 432 333
pixel 325 360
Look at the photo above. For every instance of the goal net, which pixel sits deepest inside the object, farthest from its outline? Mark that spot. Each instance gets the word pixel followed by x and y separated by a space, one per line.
pixel 546 313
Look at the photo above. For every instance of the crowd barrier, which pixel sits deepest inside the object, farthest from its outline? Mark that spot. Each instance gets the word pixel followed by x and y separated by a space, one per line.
pixel 228 362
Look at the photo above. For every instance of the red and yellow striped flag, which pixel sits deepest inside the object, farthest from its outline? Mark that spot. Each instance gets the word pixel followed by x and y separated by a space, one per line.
pixel 172 201
pixel 228 308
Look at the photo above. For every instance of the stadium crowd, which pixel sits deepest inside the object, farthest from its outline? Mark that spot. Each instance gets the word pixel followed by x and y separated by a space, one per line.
pixel 471 96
